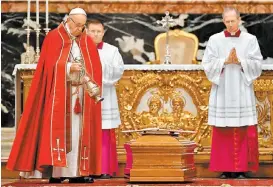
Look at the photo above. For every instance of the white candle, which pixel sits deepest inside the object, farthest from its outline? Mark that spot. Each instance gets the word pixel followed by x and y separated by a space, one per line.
pixel 46 12
pixel 28 12
pixel 37 12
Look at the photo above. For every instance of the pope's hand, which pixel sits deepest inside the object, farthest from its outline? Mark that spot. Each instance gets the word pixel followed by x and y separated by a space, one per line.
pixel 75 67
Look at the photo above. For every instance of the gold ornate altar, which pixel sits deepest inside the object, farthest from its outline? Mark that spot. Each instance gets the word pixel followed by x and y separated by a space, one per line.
pixel 175 97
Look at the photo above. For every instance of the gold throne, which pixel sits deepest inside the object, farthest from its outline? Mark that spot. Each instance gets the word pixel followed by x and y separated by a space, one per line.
pixel 183 47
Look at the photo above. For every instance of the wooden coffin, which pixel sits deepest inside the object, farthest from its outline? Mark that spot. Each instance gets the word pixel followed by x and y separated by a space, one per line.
pixel 161 158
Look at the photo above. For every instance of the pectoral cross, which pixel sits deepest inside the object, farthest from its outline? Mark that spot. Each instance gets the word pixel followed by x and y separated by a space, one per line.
pixel 167 22
pixel 58 149
pixel 84 158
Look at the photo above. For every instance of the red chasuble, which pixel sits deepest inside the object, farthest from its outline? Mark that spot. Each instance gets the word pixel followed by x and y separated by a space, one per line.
pixel 43 136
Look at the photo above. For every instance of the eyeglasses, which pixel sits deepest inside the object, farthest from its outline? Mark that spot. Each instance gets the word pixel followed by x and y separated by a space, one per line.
pixel 77 24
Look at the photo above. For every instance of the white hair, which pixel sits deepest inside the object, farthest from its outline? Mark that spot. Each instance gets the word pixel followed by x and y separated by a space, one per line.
pixel 230 9
pixel 65 18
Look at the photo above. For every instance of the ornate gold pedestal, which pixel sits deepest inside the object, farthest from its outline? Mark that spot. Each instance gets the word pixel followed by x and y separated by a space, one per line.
pixel 162 158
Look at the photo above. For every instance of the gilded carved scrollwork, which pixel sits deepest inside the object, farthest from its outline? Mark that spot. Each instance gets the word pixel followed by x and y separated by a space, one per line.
pixel 264 94
pixel 166 97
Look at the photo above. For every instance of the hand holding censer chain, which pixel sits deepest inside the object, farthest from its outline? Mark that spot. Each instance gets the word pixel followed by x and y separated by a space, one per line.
pixel 90 85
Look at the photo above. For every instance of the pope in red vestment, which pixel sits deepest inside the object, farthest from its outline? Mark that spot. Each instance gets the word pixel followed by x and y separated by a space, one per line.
pixel 45 130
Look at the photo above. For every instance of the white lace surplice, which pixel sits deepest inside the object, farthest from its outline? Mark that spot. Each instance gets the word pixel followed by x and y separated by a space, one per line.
pixel 232 100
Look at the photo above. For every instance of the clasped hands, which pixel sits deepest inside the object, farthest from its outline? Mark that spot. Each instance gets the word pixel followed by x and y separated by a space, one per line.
pixel 232 58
